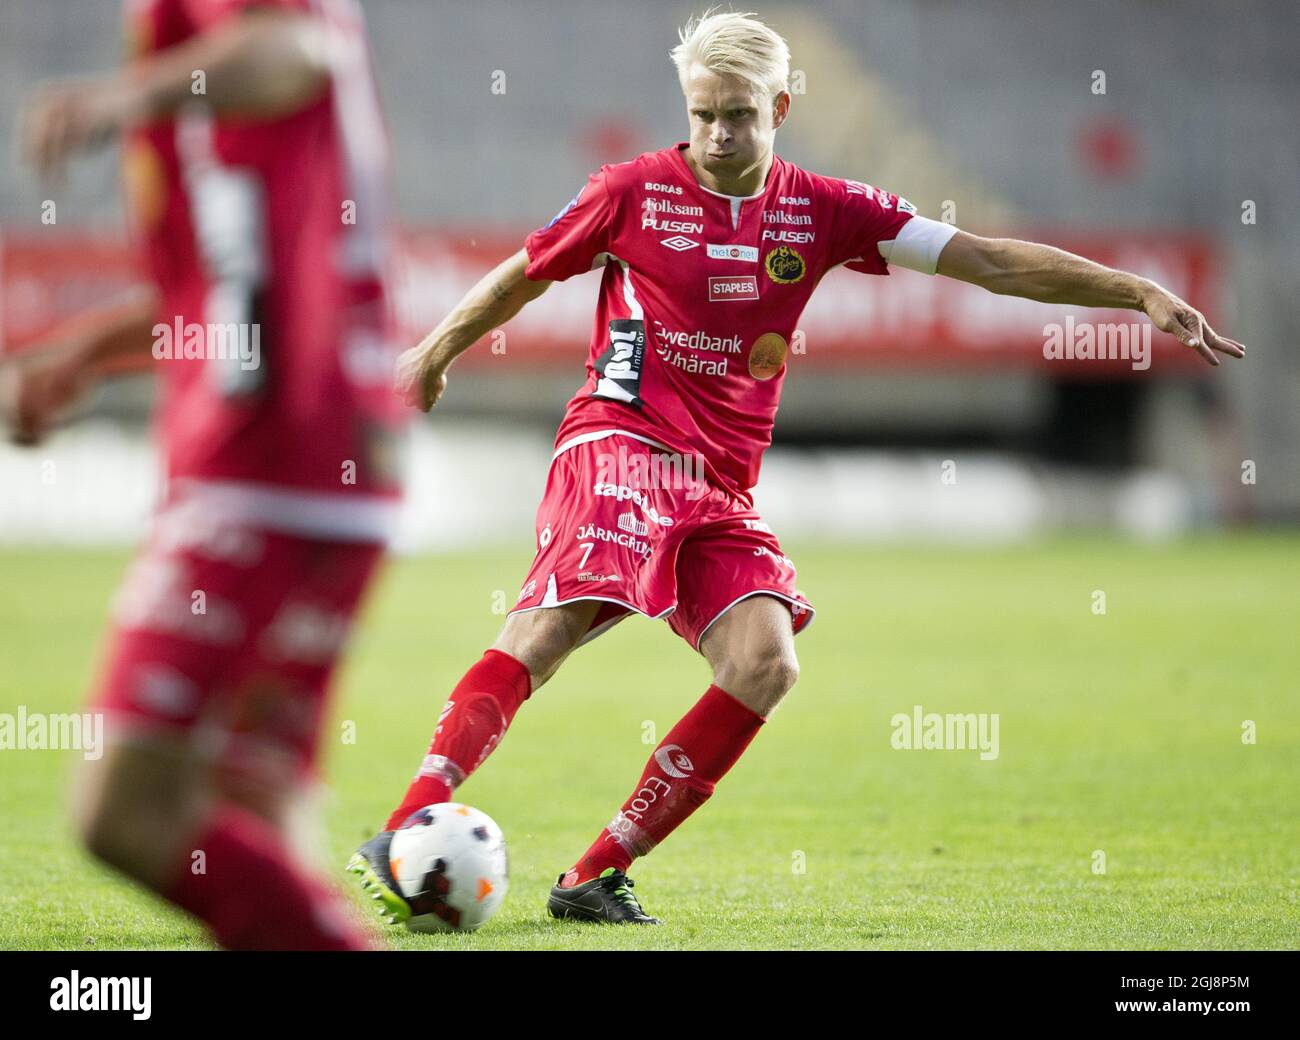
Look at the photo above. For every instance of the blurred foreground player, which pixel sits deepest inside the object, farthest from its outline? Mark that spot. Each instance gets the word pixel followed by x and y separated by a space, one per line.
pixel 710 250
pixel 256 172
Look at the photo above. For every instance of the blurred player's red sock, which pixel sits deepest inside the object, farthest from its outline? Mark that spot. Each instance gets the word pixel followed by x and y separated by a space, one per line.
pixel 473 722
pixel 677 780
pixel 253 896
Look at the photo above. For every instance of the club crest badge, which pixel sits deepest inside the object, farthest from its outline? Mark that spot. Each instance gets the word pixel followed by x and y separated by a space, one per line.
pixel 785 265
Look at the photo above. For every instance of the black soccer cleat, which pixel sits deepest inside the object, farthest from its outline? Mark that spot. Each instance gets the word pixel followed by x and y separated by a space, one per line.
pixel 607 899
pixel 371 864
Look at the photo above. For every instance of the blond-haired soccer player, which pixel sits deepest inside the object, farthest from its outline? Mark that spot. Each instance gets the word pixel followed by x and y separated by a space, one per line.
pixel 710 250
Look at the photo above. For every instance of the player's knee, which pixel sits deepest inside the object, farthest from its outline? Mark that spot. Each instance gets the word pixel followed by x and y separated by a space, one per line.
pixel 760 680
pixel 781 672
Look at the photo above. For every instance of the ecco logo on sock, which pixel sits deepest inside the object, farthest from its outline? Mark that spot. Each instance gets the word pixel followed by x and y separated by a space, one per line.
pixel 673 761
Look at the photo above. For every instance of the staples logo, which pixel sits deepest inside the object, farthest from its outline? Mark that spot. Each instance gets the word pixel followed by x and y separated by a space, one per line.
pixel 740 287
pixel 749 253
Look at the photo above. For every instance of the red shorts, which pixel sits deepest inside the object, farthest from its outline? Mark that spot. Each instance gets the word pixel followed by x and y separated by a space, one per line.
pixel 227 635
pixel 637 528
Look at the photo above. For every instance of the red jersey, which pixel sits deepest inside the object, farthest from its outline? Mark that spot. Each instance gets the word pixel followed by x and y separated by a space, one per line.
pixel 700 298
pixel 268 242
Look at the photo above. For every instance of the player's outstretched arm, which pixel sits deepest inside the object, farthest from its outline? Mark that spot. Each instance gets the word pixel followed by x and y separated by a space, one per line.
pixel 260 65
pixel 39 384
pixel 498 297
pixel 1038 272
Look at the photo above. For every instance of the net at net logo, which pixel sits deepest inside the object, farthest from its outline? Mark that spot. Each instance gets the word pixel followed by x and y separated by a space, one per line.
pixel 723 288
pixel 748 254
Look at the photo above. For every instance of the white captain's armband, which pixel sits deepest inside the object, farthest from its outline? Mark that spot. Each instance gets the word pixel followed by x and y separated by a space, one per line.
pixel 918 245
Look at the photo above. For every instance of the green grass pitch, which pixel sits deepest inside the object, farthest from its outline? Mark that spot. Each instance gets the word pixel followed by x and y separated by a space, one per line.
pixel 1119 733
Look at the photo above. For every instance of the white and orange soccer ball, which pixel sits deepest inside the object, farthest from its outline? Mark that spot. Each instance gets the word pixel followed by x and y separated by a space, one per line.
pixel 450 864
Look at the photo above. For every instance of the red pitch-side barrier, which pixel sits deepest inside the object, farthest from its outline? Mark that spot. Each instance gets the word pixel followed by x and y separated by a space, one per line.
pixel 853 323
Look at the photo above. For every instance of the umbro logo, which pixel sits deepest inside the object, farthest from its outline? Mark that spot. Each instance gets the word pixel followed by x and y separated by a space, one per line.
pixel 679 243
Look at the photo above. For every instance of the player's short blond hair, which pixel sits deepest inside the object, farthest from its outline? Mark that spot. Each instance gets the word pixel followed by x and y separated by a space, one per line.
pixel 734 43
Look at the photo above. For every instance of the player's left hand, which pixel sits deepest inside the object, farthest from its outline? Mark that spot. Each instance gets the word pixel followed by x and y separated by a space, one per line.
pixel 69 117
pixel 1188 325
pixel 37 386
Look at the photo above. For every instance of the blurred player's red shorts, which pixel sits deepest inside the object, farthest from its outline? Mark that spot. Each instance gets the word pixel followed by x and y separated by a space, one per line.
pixel 227 635
pixel 640 529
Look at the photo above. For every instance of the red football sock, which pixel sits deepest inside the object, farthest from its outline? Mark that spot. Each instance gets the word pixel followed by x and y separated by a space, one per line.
pixel 678 779
pixel 253 896
pixel 473 722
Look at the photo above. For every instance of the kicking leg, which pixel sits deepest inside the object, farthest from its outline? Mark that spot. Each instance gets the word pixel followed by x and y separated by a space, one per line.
pixel 475 718
pixel 751 651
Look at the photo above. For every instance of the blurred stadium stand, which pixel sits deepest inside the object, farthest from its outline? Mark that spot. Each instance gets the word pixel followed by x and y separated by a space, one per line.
pixel 980 108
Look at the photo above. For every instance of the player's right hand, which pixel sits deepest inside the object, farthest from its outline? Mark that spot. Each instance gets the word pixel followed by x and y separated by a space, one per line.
pixel 36 387
pixel 420 380
pixel 69 117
